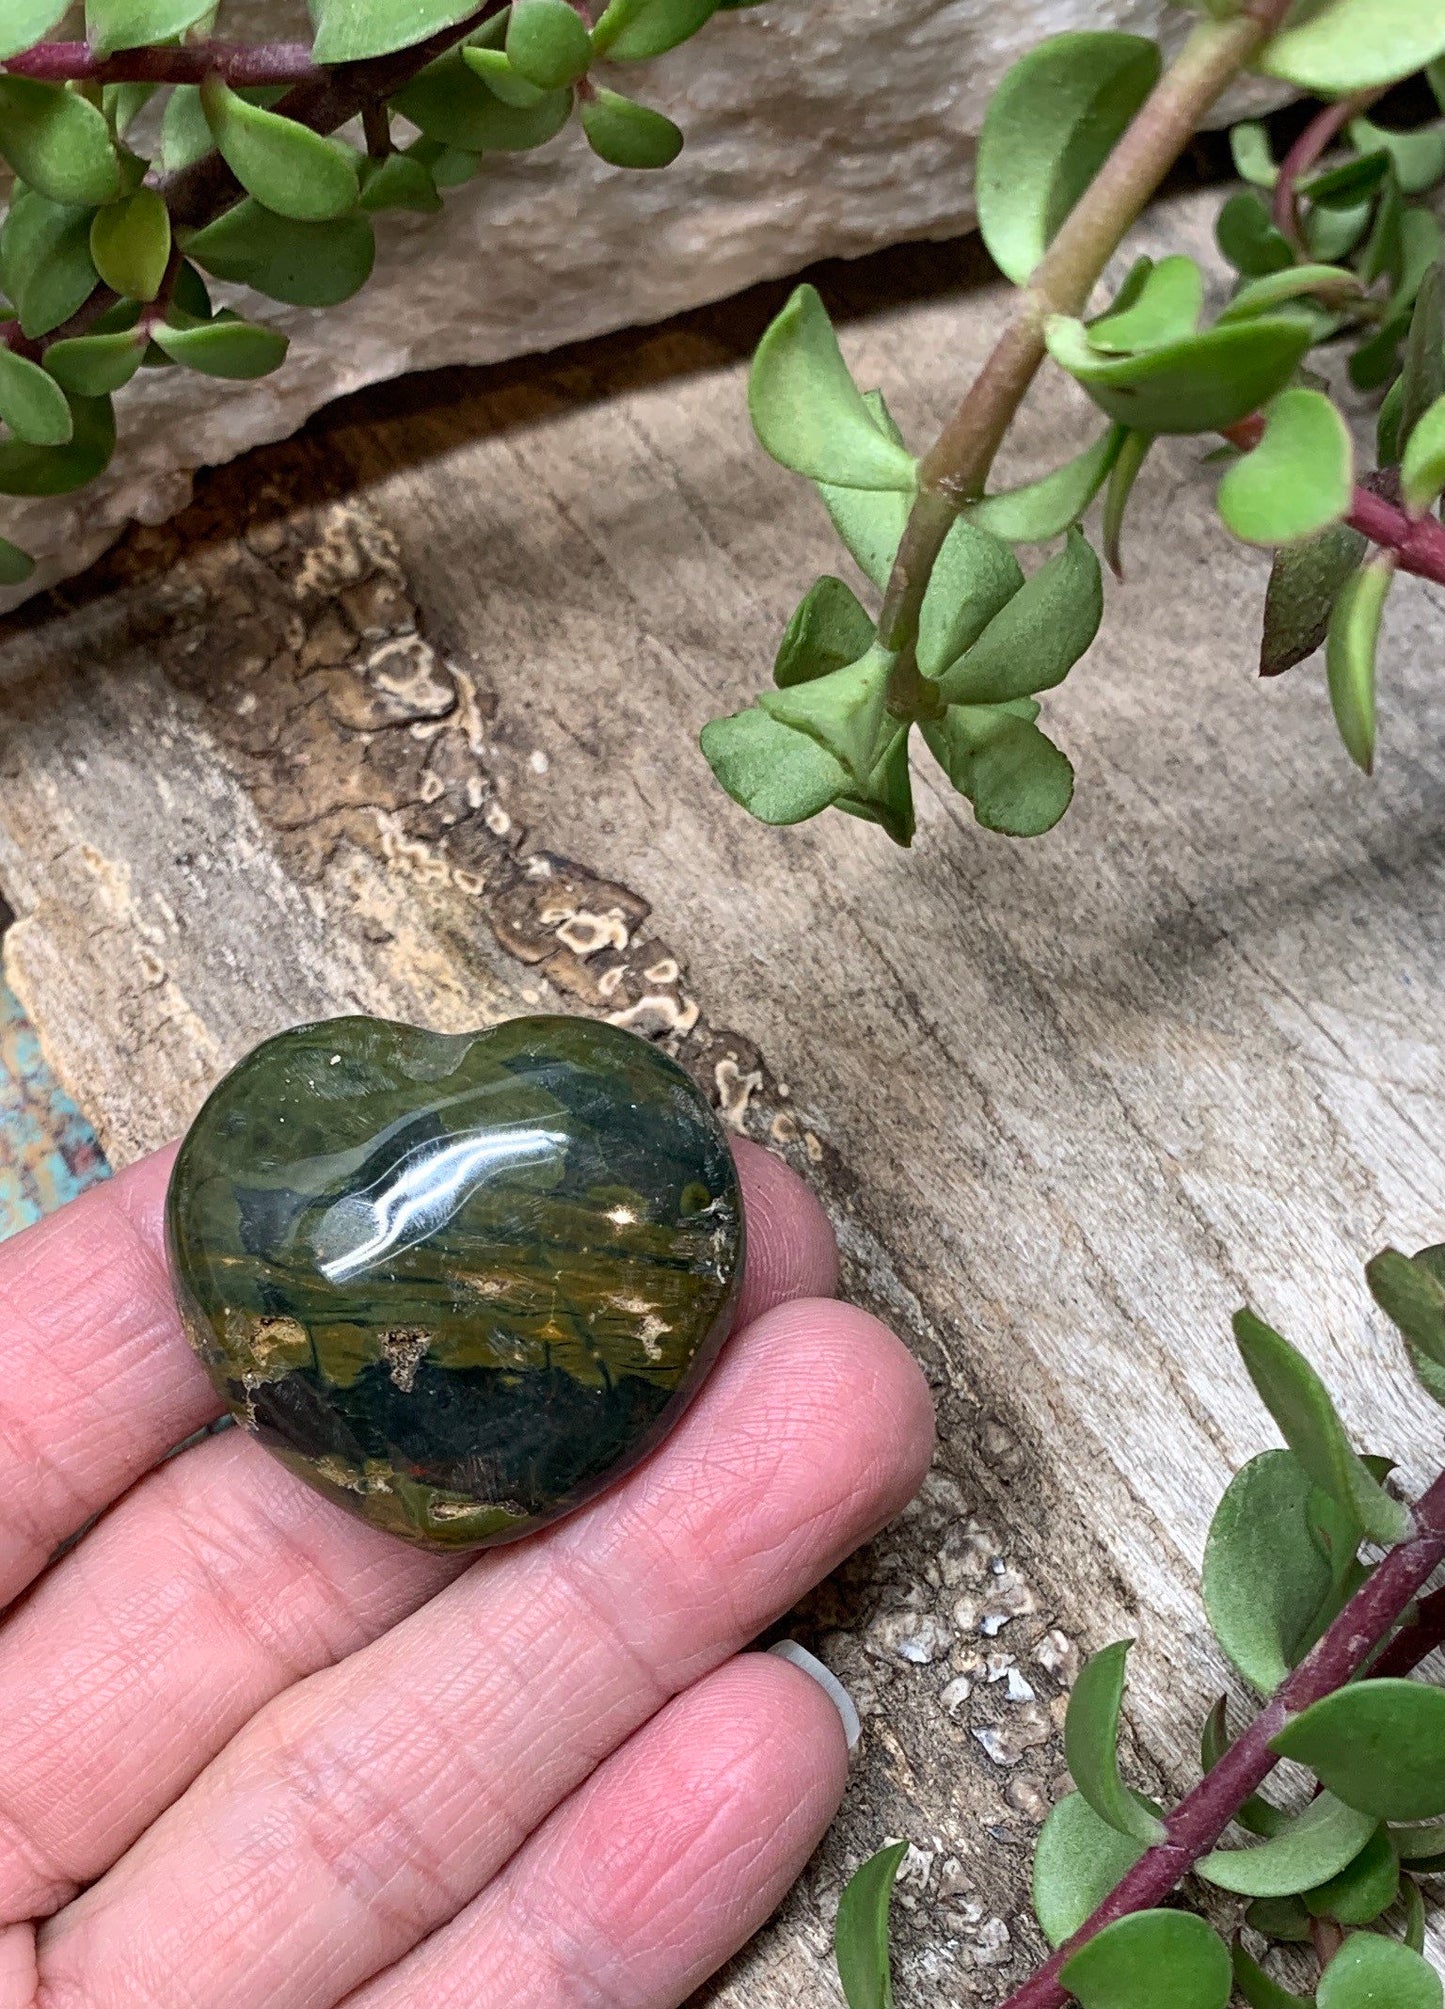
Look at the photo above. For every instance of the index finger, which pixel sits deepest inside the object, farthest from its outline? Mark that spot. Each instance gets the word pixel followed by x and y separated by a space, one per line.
pixel 97 1381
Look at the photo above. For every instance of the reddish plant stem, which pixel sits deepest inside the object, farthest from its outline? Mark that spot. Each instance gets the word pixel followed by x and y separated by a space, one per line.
pixel 1417 541
pixel 1196 1824
pixel 238 62
pixel 1414 1642
pixel 1316 139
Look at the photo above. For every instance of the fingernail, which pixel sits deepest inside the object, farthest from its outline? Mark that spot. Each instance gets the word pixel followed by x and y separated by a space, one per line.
pixel 827 1680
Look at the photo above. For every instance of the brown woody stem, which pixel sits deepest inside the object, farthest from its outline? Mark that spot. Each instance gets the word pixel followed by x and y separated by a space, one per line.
pixel 238 62
pixel 1201 1817
pixel 956 467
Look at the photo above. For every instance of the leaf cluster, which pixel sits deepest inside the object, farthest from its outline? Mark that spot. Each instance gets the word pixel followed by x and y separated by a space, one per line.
pixel 90 215
pixel 1288 1549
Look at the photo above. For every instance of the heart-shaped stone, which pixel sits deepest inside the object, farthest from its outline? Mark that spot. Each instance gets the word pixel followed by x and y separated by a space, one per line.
pixel 457 1282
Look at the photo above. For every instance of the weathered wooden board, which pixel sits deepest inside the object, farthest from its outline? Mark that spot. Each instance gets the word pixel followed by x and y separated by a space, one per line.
pixel 401 716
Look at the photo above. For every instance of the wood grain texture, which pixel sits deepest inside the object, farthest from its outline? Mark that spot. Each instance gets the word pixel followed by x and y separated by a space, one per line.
pixel 401 717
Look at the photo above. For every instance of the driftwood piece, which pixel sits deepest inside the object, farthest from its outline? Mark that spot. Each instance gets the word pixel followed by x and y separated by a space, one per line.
pixel 401 717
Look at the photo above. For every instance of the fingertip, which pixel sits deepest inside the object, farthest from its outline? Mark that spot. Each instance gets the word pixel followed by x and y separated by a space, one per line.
pixel 792 1252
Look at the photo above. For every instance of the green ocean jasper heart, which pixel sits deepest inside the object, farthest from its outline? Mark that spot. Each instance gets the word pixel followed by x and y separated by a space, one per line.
pixel 457 1282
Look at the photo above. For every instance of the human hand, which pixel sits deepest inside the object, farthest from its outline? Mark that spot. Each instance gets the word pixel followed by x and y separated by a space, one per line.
pixel 257 1755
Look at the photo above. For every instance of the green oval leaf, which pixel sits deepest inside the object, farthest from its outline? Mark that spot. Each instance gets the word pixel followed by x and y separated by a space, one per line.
pixel 1350 649
pixel 626 134
pixel 870 521
pixel 1422 472
pixel 1370 1972
pixel 304 264
pixel 1265 1581
pixel 130 244
pixel 1166 309
pixel 1151 1960
pixel 1353 45
pixel 887 800
pixel 45 265
pixel 1411 1291
pixel 1049 128
pixel 806 409
pixel 1364 1888
pixel 1258 1989
pixel 547 42
pixel 1298 480
pixel 844 711
pixel 23 24
pixel 776 774
pixel 57 142
pixel 1078 1861
pixel 1300 1404
pixel 451 102
pixel 398 182
pixel 1258 296
pixel 1248 238
pixel 1045 508
pixel 290 169
pixel 1035 639
pixel 1420 1844
pixel 32 403
pixel 1377 1745
pixel 860 1936
pixel 1350 184
pixel 1304 583
pixel 629 31
pixel 1018 781
pixel 1316 1845
pixel 1122 477
pixel 829 629
pixel 1282 1918
pixel 1252 154
pixel 1418 157
pixel 1201 384
pixel 16 565
pixel 59 470
pixel 136 24
pixel 492 66
pixel 223 348
pixel 973 580
pixel 91 366
pixel 348 31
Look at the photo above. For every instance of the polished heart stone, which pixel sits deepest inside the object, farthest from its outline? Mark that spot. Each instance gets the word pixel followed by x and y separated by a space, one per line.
pixel 457 1282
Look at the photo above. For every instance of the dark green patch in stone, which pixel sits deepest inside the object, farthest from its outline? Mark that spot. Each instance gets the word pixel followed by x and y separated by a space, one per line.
pixel 457 1282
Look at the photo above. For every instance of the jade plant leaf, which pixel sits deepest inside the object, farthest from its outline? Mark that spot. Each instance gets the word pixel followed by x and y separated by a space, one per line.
pixel 887 797
pixel 1350 649
pixel 1314 1846
pixel 91 366
pixel 32 403
pixel 1282 1918
pixel 130 244
pixel 1418 157
pixel 777 774
pixel 1252 155
pixel 1364 1889
pixel 288 168
pixel 347 31
pixel 135 24
pixel 223 348
pixel 975 577
pixel 808 413
pixel 45 263
pixel 1265 1581
pixel 59 470
pixel 1248 238
pixel 1371 1972
pixel 547 42
pixel 1299 479
pixel 1412 1293
pixel 1420 1844
pixel 1350 184
pixel 861 1933
pixel 1300 1404
pixel 24 23
pixel 1422 470
pixel 1048 129
pixel 16 565
pixel 1200 384
pixel 1304 583
pixel 870 521
pixel 1333 283
pixel 1091 1745
pixel 631 31
pixel 1259 1990
pixel 1047 507
pixel 1077 1862
pixel 1377 1745
pixel 1122 477
pixel 1166 309
pixel 1422 376
pixel 451 102
pixel 1354 45
pixel 497 73
pixel 304 264
pixel 398 182
pixel 58 143
pixel 829 629
pixel 843 711
pixel 627 134
pixel 1035 639
pixel 1151 1960
pixel 1018 781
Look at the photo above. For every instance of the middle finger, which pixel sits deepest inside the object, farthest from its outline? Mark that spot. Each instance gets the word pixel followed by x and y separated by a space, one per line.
pixel 368 1804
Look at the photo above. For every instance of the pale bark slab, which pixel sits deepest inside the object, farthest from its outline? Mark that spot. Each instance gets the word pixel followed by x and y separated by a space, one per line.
pixel 401 717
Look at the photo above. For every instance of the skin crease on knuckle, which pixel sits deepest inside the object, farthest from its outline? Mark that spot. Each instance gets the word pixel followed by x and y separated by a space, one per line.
pixel 730 1483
